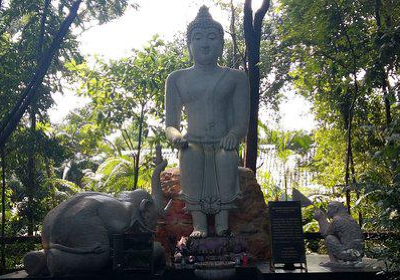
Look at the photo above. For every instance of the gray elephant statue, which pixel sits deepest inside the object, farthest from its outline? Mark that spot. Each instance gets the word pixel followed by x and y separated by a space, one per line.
pixel 77 234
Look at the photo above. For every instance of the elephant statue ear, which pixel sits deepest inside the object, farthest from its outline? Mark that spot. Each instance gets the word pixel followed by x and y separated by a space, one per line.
pixel 148 213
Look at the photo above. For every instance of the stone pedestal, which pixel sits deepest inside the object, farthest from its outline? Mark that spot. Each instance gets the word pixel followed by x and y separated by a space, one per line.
pixel 248 221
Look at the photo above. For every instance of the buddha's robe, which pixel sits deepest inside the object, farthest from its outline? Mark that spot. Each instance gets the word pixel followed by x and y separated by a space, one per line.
pixel 214 108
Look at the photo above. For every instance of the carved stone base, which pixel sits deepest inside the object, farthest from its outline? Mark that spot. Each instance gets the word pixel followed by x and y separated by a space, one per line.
pixel 211 251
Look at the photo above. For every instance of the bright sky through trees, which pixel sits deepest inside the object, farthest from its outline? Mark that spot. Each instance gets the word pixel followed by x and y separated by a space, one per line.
pixel 166 18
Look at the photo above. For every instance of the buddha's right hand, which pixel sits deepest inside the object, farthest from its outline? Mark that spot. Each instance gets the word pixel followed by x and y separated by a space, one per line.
pixel 175 136
pixel 180 143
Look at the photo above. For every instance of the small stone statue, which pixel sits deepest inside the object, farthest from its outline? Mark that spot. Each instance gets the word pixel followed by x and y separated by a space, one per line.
pixel 216 102
pixel 344 239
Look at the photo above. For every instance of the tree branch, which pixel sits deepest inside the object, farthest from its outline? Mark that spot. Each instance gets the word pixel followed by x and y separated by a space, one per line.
pixel 127 139
pixel 260 14
pixel 42 28
pixel 3 207
pixel 248 22
pixel 16 114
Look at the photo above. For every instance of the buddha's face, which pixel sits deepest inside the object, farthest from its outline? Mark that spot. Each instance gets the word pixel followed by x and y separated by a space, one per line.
pixel 205 45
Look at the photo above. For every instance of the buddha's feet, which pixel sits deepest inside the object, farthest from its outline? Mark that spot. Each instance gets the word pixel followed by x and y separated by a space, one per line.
pixel 225 233
pixel 221 224
pixel 198 234
pixel 199 225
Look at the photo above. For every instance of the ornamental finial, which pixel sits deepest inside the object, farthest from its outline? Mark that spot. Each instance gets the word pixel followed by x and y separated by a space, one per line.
pixel 203 20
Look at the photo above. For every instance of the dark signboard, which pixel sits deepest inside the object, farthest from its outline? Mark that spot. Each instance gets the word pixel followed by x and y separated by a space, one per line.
pixel 133 252
pixel 287 243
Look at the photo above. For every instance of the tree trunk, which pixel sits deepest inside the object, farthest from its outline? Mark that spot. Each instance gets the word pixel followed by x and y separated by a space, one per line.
pixel 353 174
pixel 285 183
pixel 139 147
pixel 349 156
pixel 235 60
pixel 31 171
pixel 13 118
pixel 386 98
pixel 383 75
pixel 347 163
pixel 238 58
pixel 31 156
pixel 252 135
pixel 3 209
pixel 252 34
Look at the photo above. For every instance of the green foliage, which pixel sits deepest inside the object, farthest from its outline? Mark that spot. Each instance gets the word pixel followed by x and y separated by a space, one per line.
pixel 382 194
pixel 286 142
pixel 114 175
pixel 328 161
pixel 344 59
pixel 290 146
pixel 33 152
pixel 343 56
pixel 49 193
pixel 124 95
pixel 120 90
pixel 271 191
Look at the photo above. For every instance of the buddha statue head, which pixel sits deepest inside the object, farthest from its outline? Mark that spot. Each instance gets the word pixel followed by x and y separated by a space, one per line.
pixel 205 38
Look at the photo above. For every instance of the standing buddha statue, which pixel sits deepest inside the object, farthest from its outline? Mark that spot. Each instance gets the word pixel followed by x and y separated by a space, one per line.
pixel 216 103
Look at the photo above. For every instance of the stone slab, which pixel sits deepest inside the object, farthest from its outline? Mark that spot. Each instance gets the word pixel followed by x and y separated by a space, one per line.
pixel 259 271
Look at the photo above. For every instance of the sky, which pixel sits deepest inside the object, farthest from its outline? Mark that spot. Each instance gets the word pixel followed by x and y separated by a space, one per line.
pixel 165 18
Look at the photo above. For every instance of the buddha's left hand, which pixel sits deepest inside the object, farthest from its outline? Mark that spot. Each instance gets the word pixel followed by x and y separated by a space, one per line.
pixel 229 142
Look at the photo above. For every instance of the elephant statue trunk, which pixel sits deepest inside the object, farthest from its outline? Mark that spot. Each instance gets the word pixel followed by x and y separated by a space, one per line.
pixel 156 192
